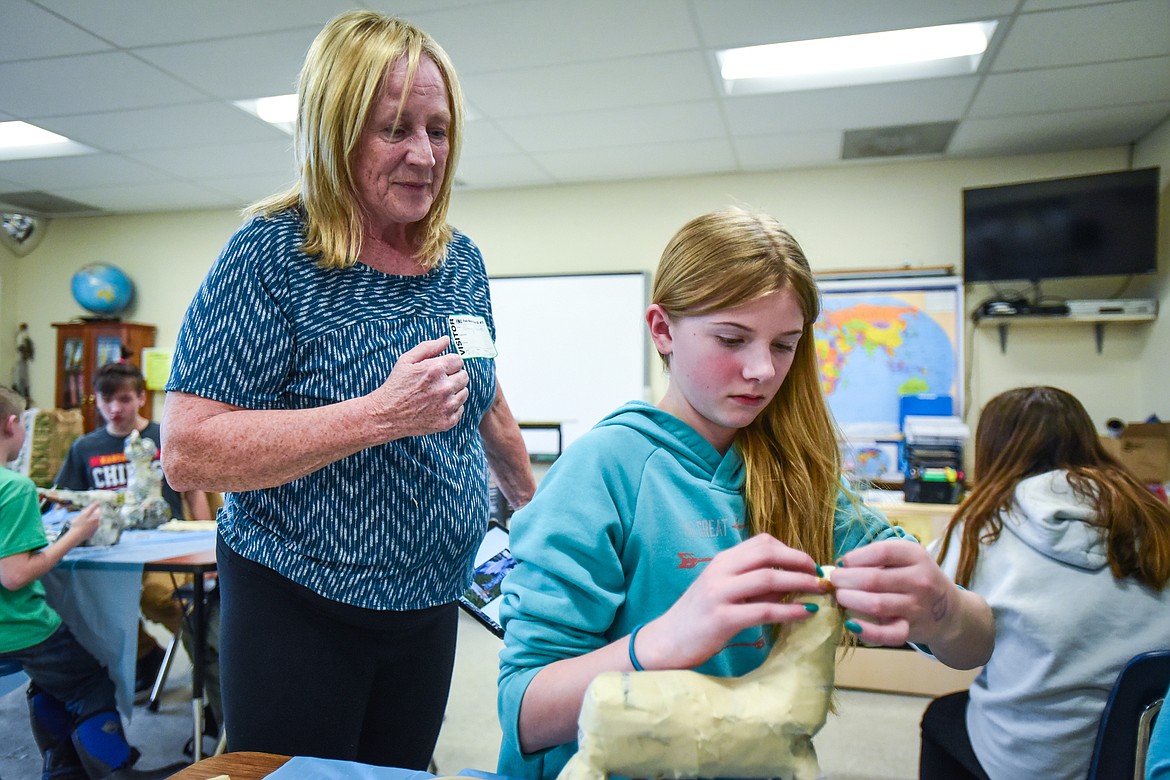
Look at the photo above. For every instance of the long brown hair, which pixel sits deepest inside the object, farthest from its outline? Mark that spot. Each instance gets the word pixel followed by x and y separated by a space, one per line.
pixel 338 86
pixel 1033 430
pixel 792 463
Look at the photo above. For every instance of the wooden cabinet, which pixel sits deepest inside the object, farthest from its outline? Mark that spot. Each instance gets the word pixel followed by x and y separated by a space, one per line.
pixel 83 347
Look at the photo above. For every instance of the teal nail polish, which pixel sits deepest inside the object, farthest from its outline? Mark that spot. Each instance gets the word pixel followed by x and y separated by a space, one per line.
pixel 820 571
pixel 840 562
pixel 811 607
pixel 853 626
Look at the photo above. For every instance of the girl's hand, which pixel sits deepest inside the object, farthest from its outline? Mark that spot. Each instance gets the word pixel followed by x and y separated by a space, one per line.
pixel 896 592
pixel 740 588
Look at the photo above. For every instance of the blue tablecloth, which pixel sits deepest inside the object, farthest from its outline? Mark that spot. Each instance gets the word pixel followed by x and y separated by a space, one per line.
pixel 304 768
pixel 96 591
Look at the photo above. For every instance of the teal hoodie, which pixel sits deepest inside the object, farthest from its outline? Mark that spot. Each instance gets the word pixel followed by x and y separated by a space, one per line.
pixel 620 527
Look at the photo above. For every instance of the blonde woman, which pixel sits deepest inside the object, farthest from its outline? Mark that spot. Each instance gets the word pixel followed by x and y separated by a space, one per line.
pixel 315 383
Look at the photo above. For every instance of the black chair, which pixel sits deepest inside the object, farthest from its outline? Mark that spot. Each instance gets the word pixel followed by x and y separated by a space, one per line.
pixel 1128 718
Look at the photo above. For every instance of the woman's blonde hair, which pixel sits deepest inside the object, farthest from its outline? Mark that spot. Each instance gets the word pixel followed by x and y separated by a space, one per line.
pixel 339 83
pixel 728 258
pixel 1029 431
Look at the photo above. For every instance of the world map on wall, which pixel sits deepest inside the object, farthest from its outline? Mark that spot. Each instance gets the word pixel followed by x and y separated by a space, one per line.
pixel 875 346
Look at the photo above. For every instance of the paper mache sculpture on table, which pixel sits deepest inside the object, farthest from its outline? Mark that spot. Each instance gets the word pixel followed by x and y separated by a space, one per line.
pixel 141 505
pixel 683 724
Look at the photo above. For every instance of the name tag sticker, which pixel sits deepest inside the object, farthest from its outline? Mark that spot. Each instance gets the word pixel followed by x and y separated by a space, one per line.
pixel 470 336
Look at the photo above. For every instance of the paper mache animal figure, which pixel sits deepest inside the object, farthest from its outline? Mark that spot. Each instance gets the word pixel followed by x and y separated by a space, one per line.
pixel 143 505
pixel 683 724
pixel 110 523
pixel 140 505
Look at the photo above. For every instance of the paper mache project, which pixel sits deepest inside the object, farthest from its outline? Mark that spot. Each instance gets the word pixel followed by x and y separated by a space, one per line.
pixel 683 724
pixel 140 505
pixel 144 505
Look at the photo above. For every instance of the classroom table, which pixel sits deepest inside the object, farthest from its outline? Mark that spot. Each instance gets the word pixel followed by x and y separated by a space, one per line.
pixel 270 766
pixel 237 766
pixel 96 591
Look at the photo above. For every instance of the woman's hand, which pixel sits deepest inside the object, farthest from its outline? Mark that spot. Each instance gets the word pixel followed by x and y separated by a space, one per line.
pixel 424 393
pixel 897 594
pixel 741 587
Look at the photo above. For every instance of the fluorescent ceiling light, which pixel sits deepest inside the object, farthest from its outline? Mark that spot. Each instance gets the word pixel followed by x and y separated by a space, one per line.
pixel 20 140
pixel 870 58
pixel 278 110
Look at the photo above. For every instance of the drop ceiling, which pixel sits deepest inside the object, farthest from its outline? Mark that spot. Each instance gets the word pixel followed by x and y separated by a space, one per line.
pixel 560 91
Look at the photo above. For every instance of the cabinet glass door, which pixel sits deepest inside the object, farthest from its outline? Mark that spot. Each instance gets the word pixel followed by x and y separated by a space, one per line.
pixel 73 365
pixel 109 350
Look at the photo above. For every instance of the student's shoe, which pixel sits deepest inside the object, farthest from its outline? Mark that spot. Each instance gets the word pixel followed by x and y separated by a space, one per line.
pixel 101 745
pixel 52 725
pixel 145 673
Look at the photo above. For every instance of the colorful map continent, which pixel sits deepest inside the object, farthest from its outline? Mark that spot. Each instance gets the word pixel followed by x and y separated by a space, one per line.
pixel 876 346
pixel 871 327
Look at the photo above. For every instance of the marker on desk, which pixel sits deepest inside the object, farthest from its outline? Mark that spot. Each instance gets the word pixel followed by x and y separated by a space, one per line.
pixel 946 474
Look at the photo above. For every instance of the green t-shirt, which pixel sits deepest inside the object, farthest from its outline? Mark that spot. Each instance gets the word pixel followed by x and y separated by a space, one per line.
pixel 26 618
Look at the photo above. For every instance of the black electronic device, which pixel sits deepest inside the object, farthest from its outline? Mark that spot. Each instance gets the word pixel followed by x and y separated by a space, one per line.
pixel 1099 225
pixel 493 561
pixel 1011 307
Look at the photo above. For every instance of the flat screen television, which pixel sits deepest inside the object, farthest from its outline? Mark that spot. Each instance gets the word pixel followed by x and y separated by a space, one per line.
pixel 1100 225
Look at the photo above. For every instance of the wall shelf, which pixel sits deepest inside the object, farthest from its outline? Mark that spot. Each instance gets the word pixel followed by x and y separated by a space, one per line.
pixel 1098 321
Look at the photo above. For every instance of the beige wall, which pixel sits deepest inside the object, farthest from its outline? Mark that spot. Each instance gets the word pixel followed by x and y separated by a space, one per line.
pixel 1155 384
pixel 856 216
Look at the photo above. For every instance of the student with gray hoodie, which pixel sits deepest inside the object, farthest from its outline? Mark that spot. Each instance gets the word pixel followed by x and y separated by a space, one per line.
pixel 1073 555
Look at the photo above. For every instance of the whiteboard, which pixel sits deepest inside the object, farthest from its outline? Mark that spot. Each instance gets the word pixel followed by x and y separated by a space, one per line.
pixel 572 348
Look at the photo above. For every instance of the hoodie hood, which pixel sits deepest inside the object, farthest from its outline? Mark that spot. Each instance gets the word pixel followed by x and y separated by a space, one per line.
pixel 695 454
pixel 1051 518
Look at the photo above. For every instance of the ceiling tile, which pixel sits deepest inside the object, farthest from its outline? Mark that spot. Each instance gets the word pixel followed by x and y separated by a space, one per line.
pixel 576 32
pixel 633 81
pixel 788 150
pixel 251 66
pixel 617 127
pixel 129 23
pixel 1098 33
pixel 648 160
pixel 726 23
pixel 89 82
pixel 82 170
pixel 1058 132
pixel 31 32
pixel 221 160
pixel 170 127
pixel 875 105
pixel 1076 86
pixel 147 197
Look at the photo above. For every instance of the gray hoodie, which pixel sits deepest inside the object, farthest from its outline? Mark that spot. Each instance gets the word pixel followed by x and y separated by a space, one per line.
pixel 1064 629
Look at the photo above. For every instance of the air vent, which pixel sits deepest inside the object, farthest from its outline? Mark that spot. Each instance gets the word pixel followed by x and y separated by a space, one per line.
pixel 45 205
pixel 897 141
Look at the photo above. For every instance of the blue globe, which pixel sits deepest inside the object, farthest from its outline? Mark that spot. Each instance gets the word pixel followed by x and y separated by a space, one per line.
pixel 103 289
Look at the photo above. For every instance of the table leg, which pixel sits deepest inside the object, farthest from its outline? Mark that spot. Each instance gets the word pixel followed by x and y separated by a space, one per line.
pixel 200 636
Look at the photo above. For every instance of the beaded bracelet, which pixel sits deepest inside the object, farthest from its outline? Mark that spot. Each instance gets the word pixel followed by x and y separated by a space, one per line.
pixel 633 658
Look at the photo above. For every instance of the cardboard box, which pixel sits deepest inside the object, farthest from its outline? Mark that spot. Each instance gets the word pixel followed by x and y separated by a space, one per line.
pixel 1145 449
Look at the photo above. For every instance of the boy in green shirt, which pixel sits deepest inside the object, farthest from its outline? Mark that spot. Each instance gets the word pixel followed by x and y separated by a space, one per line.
pixel 71 697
